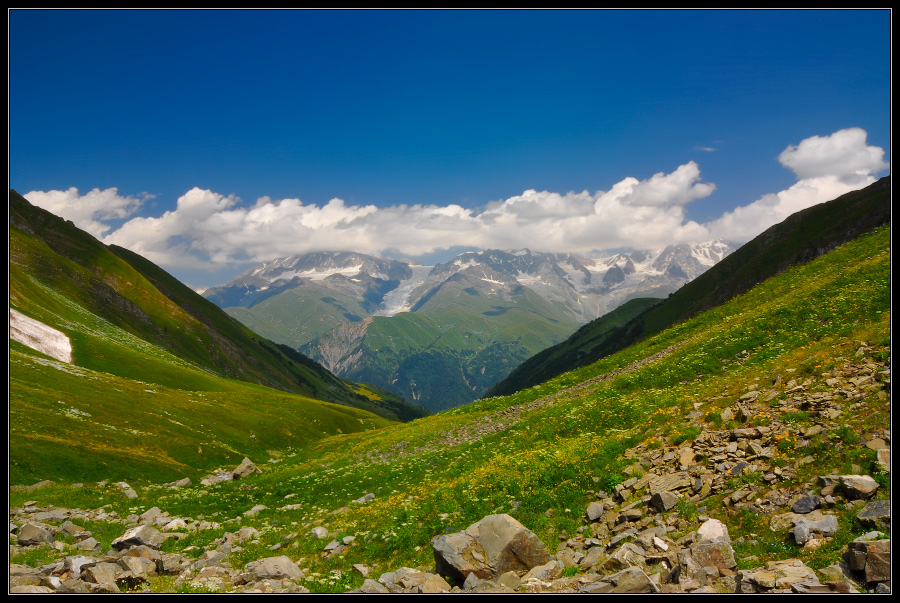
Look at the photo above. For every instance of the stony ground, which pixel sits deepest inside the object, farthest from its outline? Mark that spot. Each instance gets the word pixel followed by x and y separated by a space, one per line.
pixel 654 533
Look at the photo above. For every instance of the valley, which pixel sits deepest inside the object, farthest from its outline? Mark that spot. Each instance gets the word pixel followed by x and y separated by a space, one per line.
pixel 801 361
pixel 754 433
pixel 440 336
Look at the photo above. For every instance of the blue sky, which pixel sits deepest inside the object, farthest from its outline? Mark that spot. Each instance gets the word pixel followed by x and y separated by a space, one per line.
pixel 284 132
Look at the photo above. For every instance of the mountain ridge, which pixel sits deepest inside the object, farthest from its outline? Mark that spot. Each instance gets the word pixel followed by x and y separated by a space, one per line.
pixel 800 238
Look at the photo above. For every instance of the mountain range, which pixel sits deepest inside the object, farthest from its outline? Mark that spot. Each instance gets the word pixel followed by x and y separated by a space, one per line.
pixel 441 335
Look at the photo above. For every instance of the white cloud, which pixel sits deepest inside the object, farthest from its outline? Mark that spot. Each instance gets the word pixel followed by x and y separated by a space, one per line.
pixel 844 155
pixel 210 230
pixel 828 167
pixel 90 210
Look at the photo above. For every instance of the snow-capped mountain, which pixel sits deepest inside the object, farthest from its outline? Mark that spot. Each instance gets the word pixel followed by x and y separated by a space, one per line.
pixel 582 288
pixel 459 326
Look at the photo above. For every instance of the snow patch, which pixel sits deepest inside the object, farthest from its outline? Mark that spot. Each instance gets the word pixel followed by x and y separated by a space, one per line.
pixel 40 337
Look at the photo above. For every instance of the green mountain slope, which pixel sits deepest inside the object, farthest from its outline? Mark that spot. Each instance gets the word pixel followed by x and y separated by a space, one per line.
pixel 799 363
pixel 801 237
pixel 459 341
pixel 50 254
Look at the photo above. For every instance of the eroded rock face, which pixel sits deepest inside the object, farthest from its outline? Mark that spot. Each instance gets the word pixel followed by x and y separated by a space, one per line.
pixel 491 547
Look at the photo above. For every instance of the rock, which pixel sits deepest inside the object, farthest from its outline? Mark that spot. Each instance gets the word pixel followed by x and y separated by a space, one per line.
pixel 140 567
pixel 804 528
pixel 878 562
pixel 362 569
pixel 806 505
pixel 713 529
pixel 146 535
pixel 32 534
pixel 783 522
pixel 669 482
pixel 632 580
pixel 883 456
pixel 776 575
pixel 628 555
pixel 364 499
pixel 274 567
pixel 30 589
pixel 871 557
pixel 88 545
pixel 245 469
pixel 491 547
pixel 594 511
pixel 716 554
pixel 877 513
pixel 255 510
pixel 150 514
pixel 371 587
pixel 687 456
pixel 551 570
pixel 858 486
pixel 664 501
pixel 320 533
pixel 101 573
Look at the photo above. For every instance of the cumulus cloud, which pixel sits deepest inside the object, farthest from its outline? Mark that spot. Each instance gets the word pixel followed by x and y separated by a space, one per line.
pixel 827 167
pixel 210 230
pixel 843 155
pixel 207 227
pixel 90 210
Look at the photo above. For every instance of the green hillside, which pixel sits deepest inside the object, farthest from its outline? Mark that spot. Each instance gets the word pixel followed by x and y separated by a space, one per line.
pixel 800 238
pixel 51 256
pixel 458 342
pixel 762 362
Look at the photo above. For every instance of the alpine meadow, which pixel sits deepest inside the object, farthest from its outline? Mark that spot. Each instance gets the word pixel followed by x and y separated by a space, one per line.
pixel 450 301
pixel 735 438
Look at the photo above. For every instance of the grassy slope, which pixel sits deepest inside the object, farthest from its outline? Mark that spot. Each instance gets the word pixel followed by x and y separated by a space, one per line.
pixel 128 409
pixel 143 300
pixel 798 239
pixel 455 345
pixel 540 453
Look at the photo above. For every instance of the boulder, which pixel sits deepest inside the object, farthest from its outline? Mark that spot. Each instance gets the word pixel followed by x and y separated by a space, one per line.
pixel 807 504
pixel 804 529
pixel 876 513
pixel 594 511
pixel 713 529
pixel 274 567
pixel 491 547
pixel 669 482
pixel 858 486
pixel 245 469
pixel 632 580
pixel 140 535
pixel 32 534
pixel 101 573
pixel 664 501
pixel 778 575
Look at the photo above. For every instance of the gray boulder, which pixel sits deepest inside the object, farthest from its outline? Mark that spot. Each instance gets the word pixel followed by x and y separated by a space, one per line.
pixel 876 513
pixel 858 486
pixel 140 535
pixel 805 529
pixel 32 534
pixel 491 547
pixel 245 469
pixel 274 567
